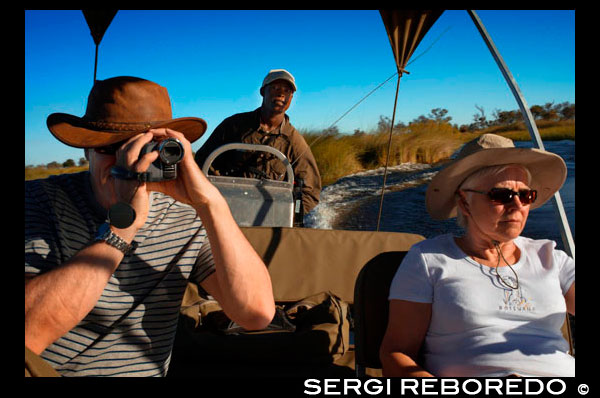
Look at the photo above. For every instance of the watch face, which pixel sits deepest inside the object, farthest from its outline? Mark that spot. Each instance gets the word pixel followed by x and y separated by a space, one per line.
pixel 121 215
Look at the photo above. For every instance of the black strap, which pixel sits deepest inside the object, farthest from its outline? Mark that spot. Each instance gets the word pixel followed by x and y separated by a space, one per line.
pixel 124 174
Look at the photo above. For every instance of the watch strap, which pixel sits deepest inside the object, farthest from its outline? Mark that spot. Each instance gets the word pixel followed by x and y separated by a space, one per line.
pixel 124 174
pixel 107 235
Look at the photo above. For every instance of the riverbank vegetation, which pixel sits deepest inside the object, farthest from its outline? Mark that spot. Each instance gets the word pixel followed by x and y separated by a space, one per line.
pixel 52 168
pixel 426 139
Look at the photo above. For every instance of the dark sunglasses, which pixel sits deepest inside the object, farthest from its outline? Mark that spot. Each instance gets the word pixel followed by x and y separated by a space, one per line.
pixel 505 195
pixel 109 149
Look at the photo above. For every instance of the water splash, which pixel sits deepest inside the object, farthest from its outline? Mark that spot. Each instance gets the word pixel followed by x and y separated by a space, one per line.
pixel 351 190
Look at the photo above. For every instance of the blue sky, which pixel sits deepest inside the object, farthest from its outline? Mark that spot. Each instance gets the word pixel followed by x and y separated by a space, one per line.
pixel 213 62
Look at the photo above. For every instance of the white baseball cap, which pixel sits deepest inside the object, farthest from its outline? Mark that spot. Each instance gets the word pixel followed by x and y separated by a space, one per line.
pixel 278 74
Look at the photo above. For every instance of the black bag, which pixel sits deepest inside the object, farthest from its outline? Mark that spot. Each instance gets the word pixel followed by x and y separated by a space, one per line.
pixel 315 329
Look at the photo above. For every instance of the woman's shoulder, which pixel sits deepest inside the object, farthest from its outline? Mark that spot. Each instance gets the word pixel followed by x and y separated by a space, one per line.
pixel 438 247
pixel 544 249
pixel 531 244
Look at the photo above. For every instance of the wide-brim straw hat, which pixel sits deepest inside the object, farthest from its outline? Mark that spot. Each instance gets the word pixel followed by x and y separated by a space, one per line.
pixel 119 108
pixel 548 172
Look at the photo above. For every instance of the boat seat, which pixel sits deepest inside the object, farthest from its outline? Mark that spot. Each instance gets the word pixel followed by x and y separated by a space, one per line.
pixel 252 201
pixel 371 309
pixel 306 261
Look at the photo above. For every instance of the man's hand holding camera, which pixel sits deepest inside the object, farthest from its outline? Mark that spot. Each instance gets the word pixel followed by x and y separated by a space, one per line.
pixel 191 186
pixel 150 165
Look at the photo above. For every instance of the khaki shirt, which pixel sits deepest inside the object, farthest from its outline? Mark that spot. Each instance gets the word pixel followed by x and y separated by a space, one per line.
pixel 245 127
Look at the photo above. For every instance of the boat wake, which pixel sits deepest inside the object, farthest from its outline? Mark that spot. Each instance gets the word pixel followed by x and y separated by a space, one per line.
pixel 351 191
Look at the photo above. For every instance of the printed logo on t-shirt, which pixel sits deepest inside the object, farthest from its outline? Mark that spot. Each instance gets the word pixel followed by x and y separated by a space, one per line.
pixel 515 300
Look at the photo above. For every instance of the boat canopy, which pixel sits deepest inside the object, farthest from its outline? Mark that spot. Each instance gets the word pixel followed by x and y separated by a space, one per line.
pixel 98 21
pixel 406 29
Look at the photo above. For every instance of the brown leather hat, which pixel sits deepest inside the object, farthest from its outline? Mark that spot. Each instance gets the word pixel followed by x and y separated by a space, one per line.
pixel 119 108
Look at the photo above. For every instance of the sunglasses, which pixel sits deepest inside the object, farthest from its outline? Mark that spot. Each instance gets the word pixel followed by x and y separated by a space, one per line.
pixel 109 149
pixel 505 195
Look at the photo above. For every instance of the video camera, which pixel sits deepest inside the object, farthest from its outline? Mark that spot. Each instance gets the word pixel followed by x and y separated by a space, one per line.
pixel 164 167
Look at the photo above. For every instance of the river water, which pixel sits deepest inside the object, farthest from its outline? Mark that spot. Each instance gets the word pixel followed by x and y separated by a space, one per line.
pixel 352 203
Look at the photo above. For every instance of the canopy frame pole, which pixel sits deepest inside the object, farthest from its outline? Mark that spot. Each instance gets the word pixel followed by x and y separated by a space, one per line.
pixel 400 71
pixel 565 230
pixel 96 63
pixel 531 126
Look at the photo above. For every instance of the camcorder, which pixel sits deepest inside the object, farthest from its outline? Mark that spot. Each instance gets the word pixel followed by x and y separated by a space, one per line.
pixel 170 152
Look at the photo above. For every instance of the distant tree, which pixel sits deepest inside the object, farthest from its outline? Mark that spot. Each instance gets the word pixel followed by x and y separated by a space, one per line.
pixel 384 123
pixel 537 112
pixel 420 119
pixel 333 131
pixel 83 162
pixel 68 163
pixel 358 133
pixel 506 117
pixel 439 115
pixel 479 118
pixel 383 126
pixel 566 110
pixel 550 112
pixel 53 165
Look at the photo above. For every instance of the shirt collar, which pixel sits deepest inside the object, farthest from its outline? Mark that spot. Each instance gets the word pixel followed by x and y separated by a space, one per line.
pixel 284 127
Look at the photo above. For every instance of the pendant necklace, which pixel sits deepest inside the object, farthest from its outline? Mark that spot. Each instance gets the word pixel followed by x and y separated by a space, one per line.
pixel 500 278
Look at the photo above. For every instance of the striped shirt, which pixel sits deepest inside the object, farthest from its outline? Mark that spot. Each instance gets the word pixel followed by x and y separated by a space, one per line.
pixel 131 329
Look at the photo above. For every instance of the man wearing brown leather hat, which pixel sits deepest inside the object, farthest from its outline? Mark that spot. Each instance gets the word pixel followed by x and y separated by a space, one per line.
pixel 109 251
pixel 267 125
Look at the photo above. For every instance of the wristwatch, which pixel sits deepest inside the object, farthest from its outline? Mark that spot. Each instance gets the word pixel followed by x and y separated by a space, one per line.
pixel 107 235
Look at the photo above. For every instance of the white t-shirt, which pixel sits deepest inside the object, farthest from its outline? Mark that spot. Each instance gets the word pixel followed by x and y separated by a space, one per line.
pixel 479 327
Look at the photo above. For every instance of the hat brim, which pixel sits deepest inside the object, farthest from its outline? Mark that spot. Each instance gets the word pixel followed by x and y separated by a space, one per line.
pixel 76 132
pixel 547 169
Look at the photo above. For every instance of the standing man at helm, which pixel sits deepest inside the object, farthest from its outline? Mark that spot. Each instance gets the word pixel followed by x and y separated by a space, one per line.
pixel 266 125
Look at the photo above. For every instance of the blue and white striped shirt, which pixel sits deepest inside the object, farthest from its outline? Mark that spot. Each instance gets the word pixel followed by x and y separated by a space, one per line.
pixel 131 329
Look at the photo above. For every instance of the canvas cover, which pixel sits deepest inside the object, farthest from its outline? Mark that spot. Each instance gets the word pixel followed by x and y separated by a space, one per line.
pixel 305 261
pixel 406 29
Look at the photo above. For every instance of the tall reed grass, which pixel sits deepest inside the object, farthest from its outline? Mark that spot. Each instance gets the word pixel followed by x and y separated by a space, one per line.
pixel 426 142
pixel 340 154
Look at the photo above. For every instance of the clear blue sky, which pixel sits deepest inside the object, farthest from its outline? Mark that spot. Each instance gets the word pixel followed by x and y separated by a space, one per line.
pixel 213 62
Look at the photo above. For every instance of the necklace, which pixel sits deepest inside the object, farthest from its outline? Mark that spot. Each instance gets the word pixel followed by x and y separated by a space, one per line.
pixel 500 278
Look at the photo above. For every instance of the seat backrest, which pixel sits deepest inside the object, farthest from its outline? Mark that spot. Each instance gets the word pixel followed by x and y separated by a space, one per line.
pixel 371 308
pixel 306 261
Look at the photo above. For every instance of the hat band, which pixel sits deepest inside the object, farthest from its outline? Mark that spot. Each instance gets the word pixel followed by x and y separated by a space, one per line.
pixel 123 126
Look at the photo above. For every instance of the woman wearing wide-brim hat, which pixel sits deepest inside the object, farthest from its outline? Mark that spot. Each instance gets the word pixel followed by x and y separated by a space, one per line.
pixel 489 303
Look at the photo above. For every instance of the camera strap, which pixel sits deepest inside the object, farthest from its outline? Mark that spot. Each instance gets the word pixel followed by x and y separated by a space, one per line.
pixel 122 214
pixel 124 174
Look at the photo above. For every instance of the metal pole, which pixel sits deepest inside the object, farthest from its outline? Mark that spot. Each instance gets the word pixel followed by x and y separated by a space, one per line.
pixel 388 152
pixel 531 126
pixel 96 63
